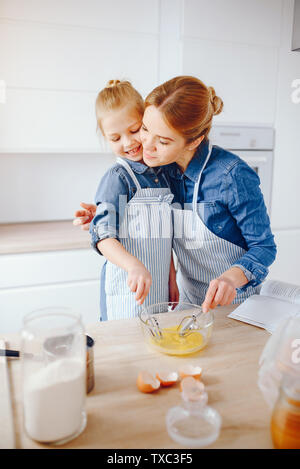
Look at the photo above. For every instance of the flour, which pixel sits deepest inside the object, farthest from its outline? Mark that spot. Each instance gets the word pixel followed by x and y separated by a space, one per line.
pixel 54 399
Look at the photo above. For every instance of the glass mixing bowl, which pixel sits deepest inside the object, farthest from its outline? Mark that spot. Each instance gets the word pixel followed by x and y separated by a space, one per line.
pixel 163 325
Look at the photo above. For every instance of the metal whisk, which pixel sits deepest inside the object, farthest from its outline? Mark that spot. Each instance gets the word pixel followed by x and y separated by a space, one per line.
pixel 188 323
pixel 153 326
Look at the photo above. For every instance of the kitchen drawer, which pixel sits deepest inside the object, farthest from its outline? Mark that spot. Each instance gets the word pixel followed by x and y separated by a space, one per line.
pixel 31 269
pixel 82 297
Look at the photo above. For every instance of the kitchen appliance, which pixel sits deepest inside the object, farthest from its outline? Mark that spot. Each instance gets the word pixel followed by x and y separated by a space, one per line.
pixel 255 145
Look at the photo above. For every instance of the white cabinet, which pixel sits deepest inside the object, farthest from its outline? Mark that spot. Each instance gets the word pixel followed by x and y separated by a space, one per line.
pixel 44 279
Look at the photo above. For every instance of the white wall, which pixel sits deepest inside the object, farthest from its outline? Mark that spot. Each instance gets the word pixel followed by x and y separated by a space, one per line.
pixel 286 187
pixel 48 186
pixel 243 49
pixel 232 46
pixel 56 55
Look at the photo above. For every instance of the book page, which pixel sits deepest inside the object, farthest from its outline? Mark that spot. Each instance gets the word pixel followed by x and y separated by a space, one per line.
pixel 264 312
pixel 281 290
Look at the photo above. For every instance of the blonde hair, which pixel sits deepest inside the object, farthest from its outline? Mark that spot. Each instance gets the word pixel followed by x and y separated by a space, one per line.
pixel 117 94
pixel 187 105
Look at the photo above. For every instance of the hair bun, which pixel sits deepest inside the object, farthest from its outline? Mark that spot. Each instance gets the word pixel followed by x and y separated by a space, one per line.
pixel 216 102
pixel 112 83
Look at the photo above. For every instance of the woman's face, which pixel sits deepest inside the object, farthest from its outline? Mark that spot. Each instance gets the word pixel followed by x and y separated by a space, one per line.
pixel 121 129
pixel 161 143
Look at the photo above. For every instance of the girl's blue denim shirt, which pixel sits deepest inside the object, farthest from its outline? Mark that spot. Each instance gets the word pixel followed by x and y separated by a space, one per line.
pixel 231 205
pixel 115 189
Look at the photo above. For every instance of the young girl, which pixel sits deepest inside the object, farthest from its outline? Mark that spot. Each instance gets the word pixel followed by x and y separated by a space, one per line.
pixel 132 226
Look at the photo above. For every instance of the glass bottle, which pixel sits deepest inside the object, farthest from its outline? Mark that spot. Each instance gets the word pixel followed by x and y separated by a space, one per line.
pixel 53 355
pixel 195 424
pixel 285 421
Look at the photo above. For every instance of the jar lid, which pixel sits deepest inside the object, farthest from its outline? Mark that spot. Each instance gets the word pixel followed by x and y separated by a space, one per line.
pixel 58 345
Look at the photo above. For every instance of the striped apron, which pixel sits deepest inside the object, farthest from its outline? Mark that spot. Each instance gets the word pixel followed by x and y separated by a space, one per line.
pixel 145 232
pixel 202 256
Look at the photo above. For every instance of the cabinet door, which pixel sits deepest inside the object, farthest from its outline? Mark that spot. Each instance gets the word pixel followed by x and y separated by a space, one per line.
pixel 43 268
pixel 82 297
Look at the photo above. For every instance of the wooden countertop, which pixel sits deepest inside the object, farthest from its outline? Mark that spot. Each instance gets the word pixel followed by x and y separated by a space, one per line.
pixel 43 236
pixel 119 416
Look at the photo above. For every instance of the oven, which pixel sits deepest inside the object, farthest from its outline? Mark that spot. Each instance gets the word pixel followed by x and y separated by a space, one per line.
pixel 253 144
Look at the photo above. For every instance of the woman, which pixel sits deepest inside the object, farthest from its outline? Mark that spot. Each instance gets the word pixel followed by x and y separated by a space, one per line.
pixel 222 235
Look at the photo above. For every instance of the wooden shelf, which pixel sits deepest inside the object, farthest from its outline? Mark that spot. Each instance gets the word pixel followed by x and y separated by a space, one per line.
pixel 42 236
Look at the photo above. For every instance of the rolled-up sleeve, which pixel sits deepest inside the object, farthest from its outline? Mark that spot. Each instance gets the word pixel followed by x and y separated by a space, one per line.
pixel 246 204
pixel 112 192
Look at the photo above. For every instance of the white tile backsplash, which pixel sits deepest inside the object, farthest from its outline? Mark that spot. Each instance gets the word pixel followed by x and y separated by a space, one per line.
pixel 45 187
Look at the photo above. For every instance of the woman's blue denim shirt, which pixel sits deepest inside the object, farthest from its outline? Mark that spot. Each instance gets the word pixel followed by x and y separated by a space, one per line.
pixel 115 189
pixel 231 205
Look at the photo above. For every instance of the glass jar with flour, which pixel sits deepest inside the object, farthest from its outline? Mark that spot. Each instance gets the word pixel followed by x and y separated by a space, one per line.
pixel 53 354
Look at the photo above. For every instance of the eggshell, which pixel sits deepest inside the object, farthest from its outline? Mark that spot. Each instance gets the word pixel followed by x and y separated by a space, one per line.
pixel 147 383
pixel 190 370
pixel 167 378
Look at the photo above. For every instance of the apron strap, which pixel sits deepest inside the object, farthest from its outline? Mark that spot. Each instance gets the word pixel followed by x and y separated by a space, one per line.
pixel 129 170
pixel 196 188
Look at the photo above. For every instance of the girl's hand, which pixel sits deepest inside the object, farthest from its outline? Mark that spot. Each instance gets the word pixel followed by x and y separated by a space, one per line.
pixel 139 281
pixel 221 291
pixel 173 290
pixel 84 217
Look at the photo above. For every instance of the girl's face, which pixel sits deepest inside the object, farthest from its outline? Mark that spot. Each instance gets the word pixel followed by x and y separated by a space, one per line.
pixel 162 144
pixel 121 129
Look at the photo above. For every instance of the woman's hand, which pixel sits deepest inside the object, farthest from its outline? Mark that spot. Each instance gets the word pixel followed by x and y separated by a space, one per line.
pixel 222 290
pixel 84 217
pixel 139 281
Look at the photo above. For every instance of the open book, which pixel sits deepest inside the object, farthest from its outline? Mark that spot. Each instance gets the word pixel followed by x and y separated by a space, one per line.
pixel 276 301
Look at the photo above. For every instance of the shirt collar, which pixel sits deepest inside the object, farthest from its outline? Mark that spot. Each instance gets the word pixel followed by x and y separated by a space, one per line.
pixel 137 166
pixel 196 163
pixel 194 166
